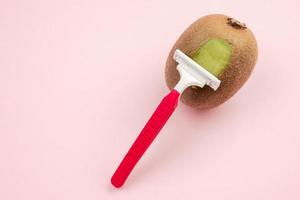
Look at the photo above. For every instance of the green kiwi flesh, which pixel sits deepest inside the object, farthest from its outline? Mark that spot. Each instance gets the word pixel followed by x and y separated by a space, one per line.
pixel 214 56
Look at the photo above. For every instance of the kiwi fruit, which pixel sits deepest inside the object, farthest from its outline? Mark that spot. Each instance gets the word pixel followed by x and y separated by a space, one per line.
pixel 223 46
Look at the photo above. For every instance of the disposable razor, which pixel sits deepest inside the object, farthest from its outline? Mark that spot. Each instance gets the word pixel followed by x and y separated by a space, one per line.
pixel 191 74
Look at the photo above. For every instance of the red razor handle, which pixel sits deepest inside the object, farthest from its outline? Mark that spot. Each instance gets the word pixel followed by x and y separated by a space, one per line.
pixel 146 137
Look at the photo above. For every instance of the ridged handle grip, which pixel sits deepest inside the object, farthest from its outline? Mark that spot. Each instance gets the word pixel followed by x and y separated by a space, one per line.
pixel 146 137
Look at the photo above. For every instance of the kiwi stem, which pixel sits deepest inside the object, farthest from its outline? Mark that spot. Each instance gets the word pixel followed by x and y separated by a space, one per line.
pixel 236 24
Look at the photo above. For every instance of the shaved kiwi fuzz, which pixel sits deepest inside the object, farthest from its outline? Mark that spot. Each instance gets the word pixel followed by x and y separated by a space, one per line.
pixel 223 46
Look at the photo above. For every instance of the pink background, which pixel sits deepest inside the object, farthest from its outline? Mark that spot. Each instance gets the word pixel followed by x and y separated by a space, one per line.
pixel 78 80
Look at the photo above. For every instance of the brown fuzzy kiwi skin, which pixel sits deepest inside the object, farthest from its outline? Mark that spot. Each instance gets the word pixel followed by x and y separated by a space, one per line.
pixel 242 61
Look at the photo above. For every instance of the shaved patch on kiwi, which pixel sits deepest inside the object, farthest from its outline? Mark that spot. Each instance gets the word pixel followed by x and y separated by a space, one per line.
pixel 222 45
pixel 214 56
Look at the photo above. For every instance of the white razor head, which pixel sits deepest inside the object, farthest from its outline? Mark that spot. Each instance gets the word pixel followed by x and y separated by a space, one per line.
pixel 192 73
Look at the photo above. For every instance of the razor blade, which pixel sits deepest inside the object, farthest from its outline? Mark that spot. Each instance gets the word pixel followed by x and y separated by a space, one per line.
pixel 193 74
